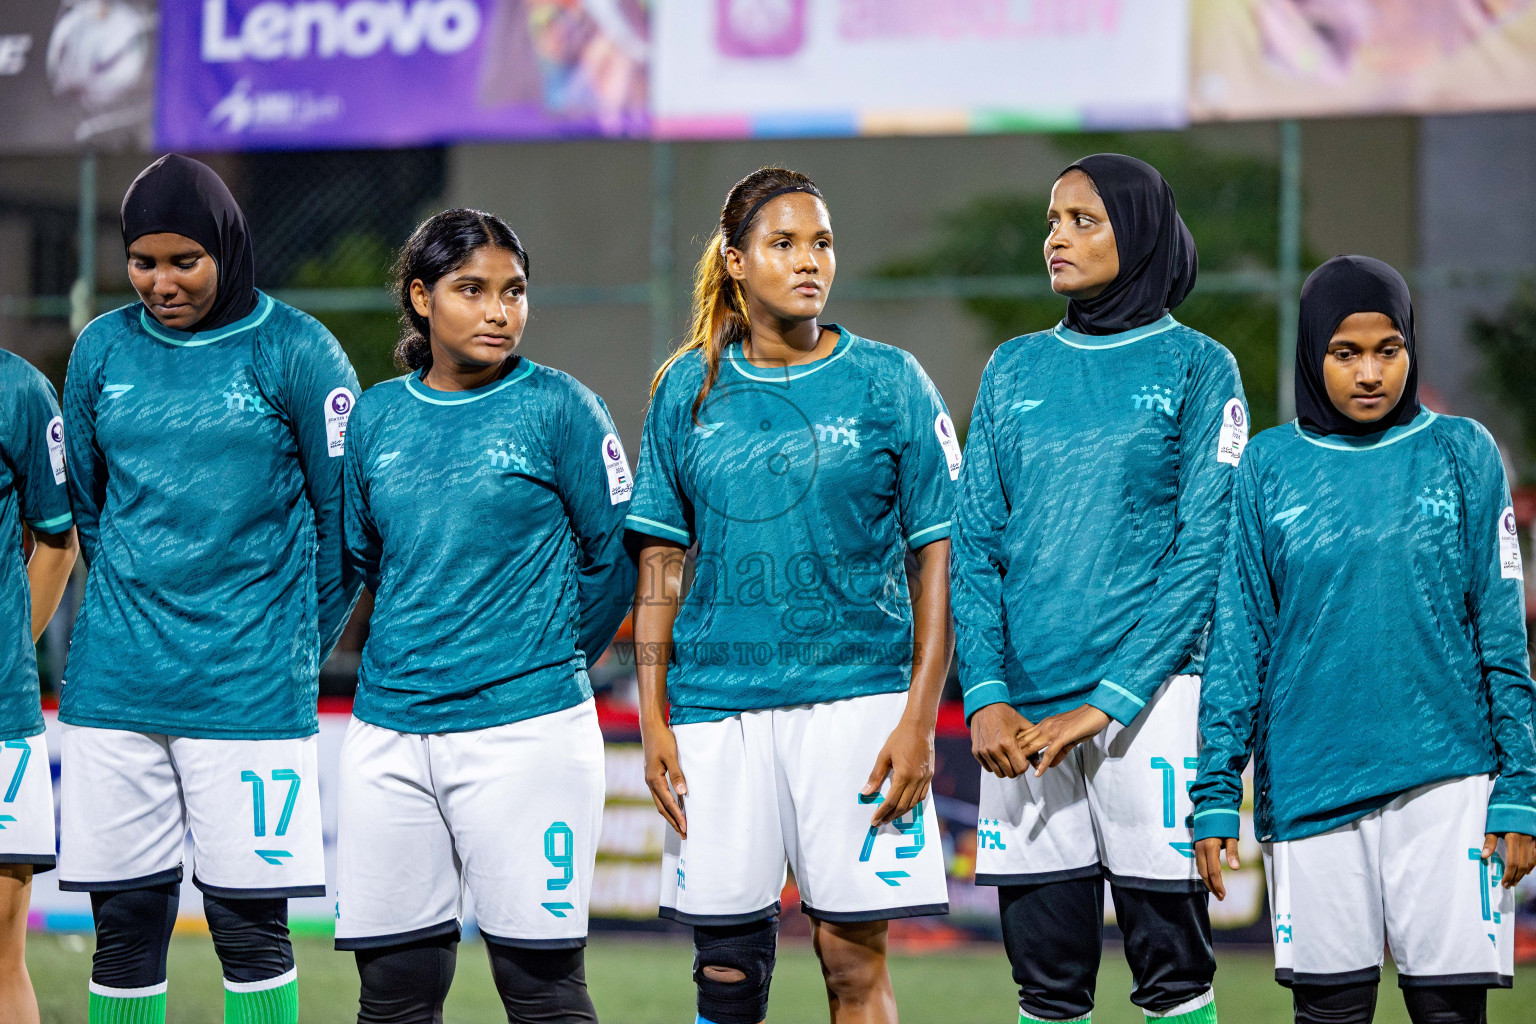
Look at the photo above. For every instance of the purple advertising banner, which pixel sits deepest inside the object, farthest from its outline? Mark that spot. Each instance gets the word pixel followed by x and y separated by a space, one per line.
pixel 308 74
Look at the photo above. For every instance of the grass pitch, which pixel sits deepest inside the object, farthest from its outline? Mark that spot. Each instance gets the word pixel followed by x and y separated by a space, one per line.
pixel 635 981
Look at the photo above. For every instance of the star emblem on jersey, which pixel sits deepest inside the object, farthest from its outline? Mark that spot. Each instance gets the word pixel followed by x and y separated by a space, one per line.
pixel 1438 503
pixel 843 430
pixel 1154 397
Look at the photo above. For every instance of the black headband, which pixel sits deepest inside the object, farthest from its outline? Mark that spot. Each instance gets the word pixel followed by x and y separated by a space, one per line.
pixel 734 241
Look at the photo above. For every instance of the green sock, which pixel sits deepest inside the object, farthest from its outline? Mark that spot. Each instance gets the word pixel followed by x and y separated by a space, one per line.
pixel 1200 1010
pixel 127 1005
pixel 274 1001
pixel 1025 1018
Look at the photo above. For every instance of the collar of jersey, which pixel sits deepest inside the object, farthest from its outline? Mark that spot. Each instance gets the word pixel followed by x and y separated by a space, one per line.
pixel 1367 442
pixel 192 339
pixel 1071 337
pixel 844 342
pixel 418 387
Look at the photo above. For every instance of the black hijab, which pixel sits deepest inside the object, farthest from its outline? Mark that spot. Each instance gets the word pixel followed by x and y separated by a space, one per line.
pixel 1157 255
pixel 180 195
pixel 1157 252
pixel 1340 287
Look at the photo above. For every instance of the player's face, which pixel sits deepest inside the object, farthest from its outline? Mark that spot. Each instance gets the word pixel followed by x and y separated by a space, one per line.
pixel 477 312
pixel 786 264
pixel 1080 253
pixel 1366 367
pixel 175 277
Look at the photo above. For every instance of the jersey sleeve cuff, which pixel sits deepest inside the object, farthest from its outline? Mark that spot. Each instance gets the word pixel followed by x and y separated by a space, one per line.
pixel 58 524
pixel 1116 701
pixel 928 534
pixel 1511 818
pixel 1217 823
pixel 988 691
pixel 652 528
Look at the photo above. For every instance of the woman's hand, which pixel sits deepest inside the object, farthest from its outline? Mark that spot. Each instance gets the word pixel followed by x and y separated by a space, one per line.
pixel 995 732
pixel 1519 855
pixel 1208 854
pixel 907 758
pixel 1054 737
pixel 664 773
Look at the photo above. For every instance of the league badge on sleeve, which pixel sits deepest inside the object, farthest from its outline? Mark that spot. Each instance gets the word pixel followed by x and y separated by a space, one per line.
pixel 945 428
pixel 1510 567
pixel 621 483
pixel 338 408
pixel 56 448
pixel 1234 433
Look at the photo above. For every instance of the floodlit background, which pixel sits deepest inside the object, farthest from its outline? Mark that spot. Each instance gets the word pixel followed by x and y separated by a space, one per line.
pixel 607 133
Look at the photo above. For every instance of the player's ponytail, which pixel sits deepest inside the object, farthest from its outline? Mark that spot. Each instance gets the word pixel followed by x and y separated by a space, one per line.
pixel 719 306
pixel 440 245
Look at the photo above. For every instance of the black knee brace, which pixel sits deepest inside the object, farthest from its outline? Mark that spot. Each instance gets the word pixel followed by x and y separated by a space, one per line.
pixel 1335 1004
pixel 133 935
pixel 406 984
pixel 1054 935
pixel 748 948
pixel 250 936
pixel 542 986
pixel 1446 1004
pixel 1167 944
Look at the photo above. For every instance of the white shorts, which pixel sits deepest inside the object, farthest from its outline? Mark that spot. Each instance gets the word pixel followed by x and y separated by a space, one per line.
pixel 128 800
pixel 782 785
pixel 1118 805
pixel 511 813
pixel 26 803
pixel 1408 875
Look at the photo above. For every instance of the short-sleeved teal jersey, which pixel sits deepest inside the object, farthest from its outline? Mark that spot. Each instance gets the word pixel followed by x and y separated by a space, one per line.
pixel 803 488
pixel 490 527
pixel 1370 632
pixel 1090 517
pixel 32 491
pixel 205 477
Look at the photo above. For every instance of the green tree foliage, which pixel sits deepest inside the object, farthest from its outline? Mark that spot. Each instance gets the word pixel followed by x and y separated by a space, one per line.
pixel 356 261
pixel 1508 344
pixel 1229 200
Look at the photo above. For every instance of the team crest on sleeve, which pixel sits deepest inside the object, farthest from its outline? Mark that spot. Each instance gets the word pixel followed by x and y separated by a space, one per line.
pixel 56 448
pixel 338 409
pixel 621 483
pixel 1510 567
pixel 945 428
pixel 1234 433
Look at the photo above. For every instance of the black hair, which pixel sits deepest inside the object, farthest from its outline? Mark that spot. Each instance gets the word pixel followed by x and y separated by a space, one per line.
pixel 440 245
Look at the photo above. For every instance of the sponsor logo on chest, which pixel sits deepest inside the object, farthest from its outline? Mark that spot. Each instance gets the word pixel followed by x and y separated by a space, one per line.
pixel 240 395
pixel 1153 398
pixel 841 430
pixel 509 455
pixel 1439 503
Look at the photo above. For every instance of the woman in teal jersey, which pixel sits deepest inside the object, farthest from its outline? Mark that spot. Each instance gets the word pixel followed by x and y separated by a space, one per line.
pixel 485 507
pixel 33 501
pixel 801 665
pixel 1087 545
pixel 1370 656
pixel 204 426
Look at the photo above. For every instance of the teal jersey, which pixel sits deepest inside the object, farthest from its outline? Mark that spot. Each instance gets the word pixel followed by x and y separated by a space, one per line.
pixel 1370 632
pixel 803 488
pixel 1090 517
pixel 205 476
pixel 32 491
pixel 490 526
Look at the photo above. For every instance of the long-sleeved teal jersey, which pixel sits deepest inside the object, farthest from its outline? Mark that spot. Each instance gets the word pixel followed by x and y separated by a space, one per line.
pixel 803 487
pixel 1370 632
pixel 1089 524
pixel 490 526
pixel 205 477
pixel 32 491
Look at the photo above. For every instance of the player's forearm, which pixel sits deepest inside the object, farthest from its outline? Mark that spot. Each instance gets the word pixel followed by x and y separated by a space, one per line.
pixel 933 635
pixel 656 599
pixel 47 573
